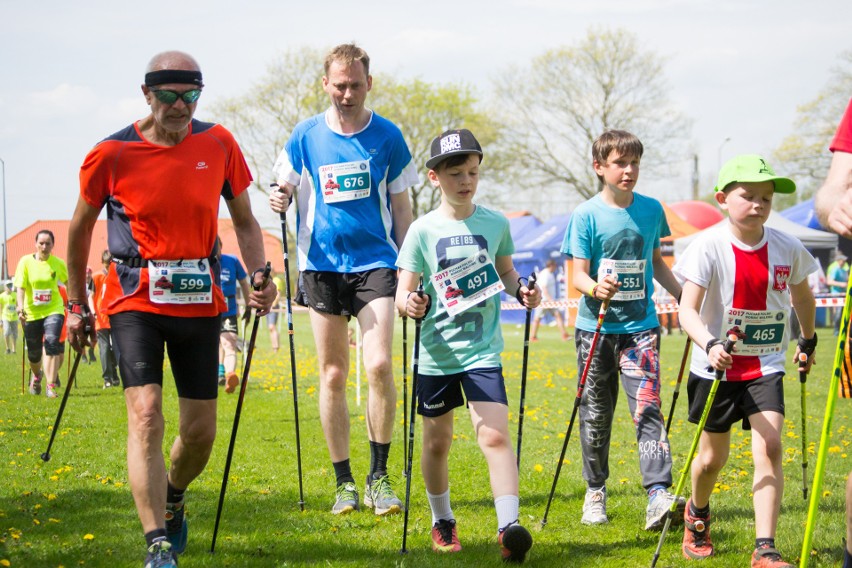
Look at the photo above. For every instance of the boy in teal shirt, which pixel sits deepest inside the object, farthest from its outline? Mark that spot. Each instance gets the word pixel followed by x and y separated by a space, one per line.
pixel 614 239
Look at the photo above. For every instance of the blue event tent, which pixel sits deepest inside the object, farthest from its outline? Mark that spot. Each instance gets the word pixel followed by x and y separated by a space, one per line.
pixel 804 214
pixel 532 249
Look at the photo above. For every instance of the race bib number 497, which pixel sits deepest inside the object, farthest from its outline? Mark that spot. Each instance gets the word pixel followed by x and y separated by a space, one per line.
pixel 467 283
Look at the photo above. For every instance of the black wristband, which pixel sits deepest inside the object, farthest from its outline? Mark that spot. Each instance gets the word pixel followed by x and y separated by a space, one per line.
pixel 711 344
pixel 808 346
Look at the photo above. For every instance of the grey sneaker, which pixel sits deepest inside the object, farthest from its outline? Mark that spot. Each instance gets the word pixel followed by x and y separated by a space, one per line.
pixel 594 507
pixel 161 555
pixel 379 496
pixel 659 504
pixel 35 384
pixel 177 529
pixel 346 499
pixel 51 391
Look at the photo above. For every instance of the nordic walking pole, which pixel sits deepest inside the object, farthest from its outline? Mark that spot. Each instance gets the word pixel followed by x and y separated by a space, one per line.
pixel 733 334
pixel 243 384
pixel 416 362
pixel 404 389
pixel 588 363
pixel 803 377
pixel 676 392
pixel 23 357
pixel 822 454
pixel 530 286
pixel 87 327
pixel 291 337
pixel 46 455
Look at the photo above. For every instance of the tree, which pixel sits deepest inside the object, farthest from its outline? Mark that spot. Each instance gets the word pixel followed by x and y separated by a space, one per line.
pixel 291 91
pixel 556 107
pixel 803 155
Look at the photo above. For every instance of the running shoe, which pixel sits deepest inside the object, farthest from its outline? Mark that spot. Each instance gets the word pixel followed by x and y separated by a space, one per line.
pixel 222 380
pixel 514 541
pixel 379 496
pixel 35 384
pixel 51 391
pixel 346 499
pixel 659 503
pixel 696 536
pixel 768 557
pixel 444 536
pixel 594 507
pixel 161 555
pixel 176 527
pixel 232 382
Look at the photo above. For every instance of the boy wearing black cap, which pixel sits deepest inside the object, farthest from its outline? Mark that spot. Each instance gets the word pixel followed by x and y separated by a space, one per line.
pixel 743 275
pixel 463 253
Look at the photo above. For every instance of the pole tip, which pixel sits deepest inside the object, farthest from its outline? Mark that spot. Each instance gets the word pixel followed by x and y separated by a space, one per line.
pixel 45 457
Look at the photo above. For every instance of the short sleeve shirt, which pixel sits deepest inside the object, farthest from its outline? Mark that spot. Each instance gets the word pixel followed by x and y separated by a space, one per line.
pixel 471 339
pixel 40 280
pixel 623 240
pixel 232 271
pixel 843 137
pixel 344 221
pixel 162 204
pixel 743 277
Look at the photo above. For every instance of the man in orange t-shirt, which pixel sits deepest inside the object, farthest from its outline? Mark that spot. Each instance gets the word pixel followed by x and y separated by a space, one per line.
pixel 161 180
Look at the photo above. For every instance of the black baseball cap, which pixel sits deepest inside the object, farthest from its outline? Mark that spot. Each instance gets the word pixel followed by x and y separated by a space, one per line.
pixel 451 143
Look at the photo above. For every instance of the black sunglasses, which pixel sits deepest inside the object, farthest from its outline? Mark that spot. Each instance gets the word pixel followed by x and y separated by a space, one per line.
pixel 171 97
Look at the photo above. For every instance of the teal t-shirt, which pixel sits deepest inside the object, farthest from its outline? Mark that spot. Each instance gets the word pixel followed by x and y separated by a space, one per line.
pixel 471 339
pixel 620 241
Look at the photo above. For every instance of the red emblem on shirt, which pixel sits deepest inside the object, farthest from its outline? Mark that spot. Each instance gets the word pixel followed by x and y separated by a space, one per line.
pixel 782 274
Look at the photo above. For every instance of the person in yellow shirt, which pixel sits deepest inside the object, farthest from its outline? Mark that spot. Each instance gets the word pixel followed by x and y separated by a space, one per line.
pixel 42 312
pixel 9 307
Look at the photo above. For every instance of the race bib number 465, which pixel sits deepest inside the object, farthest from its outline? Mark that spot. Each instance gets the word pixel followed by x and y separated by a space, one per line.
pixel 763 331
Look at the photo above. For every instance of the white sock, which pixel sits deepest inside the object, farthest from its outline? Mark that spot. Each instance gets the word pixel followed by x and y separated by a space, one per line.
pixel 507 510
pixel 440 505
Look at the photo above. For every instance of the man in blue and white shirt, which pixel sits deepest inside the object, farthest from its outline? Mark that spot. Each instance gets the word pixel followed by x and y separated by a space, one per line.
pixel 349 170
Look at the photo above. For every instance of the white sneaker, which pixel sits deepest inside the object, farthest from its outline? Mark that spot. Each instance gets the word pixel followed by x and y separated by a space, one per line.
pixel 658 505
pixel 594 507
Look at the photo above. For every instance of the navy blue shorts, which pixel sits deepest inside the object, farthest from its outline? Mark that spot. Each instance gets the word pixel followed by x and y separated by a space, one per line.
pixel 193 345
pixel 439 394
pixel 735 400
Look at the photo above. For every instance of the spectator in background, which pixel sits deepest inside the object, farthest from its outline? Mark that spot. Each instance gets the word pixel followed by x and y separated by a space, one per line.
pixel 837 276
pixel 9 306
pixel 108 349
pixel 549 284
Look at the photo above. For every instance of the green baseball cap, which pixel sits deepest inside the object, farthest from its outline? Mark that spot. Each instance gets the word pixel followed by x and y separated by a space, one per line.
pixel 751 168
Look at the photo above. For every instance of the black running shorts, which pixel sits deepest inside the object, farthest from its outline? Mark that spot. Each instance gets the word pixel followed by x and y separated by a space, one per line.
pixel 192 343
pixel 735 400
pixel 345 294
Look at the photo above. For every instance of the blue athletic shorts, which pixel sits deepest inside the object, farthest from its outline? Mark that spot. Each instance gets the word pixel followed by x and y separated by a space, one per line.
pixel 439 394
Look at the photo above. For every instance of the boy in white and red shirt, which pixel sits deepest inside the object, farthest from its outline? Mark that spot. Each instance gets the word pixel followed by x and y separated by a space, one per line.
pixel 743 275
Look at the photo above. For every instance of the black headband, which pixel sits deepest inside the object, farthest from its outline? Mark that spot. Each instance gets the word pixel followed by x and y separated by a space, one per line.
pixel 167 76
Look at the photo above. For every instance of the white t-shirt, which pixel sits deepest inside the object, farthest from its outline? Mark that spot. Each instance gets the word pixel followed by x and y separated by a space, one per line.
pixel 747 287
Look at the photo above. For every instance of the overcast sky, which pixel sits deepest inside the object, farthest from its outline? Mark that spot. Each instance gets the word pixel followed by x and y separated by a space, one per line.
pixel 70 71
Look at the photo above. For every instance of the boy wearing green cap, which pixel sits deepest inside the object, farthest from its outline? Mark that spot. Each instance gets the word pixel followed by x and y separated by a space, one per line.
pixel 743 275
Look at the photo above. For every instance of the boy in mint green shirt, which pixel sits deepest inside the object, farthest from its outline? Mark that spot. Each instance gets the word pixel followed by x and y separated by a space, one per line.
pixel 463 253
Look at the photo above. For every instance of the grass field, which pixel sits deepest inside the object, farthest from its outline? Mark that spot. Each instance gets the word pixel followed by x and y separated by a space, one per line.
pixel 76 510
